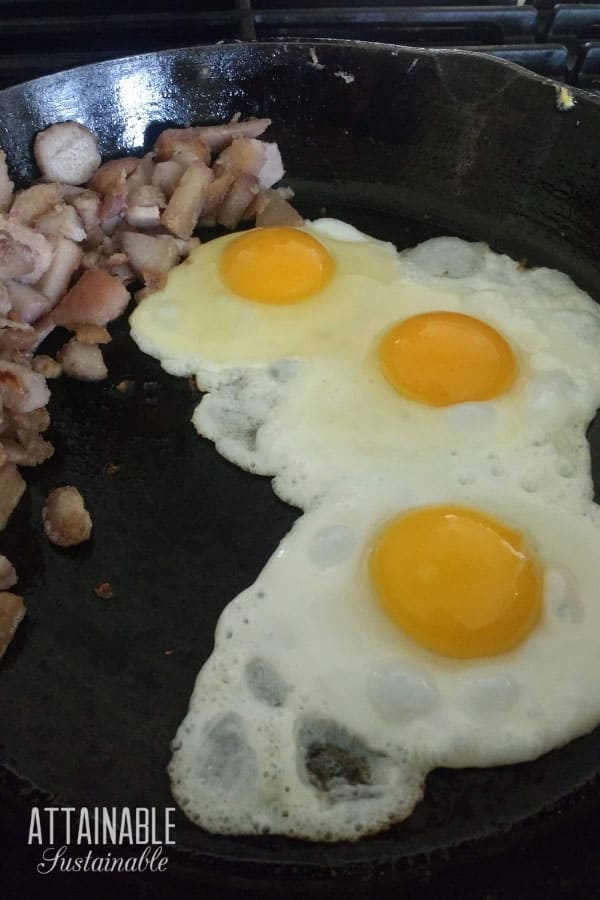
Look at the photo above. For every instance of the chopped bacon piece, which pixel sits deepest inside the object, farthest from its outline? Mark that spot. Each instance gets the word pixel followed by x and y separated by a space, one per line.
pixel 12 487
pixel 67 257
pixel 16 335
pixel 166 176
pixel 91 334
pixel 83 362
pixel 273 209
pixel 104 591
pixel 87 205
pixel 113 174
pixel 5 303
pixel 36 420
pixel 6 185
pixel 21 389
pixel 151 257
pixel 66 520
pixel 67 152
pixel 95 299
pixel 27 303
pixel 219 136
pixel 8 575
pixel 111 182
pixel 142 175
pixel 34 201
pixel 241 194
pixel 24 254
pixel 176 140
pixel 46 366
pixel 31 450
pixel 61 221
pixel 254 157
pixel 216 192
pixel 143 217
pixel 183 209
pixel 12 612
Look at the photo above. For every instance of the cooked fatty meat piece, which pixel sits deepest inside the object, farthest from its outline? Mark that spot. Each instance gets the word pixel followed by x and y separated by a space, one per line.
pixel 46 366
pixel 87 206
pixel 27 303
pixel 181 140
pixel 34 421
pixel 142 174
pixel 67 151
pixel 83 362
pixel 66 520
pixel 66 260
pixel 216 192
pixel 5 304
pixel 6 185
pixel 95 299
pixel 144 217
pixel 12 487
pixel 184 248
pixel 239 197
pixel 44 327
pixel 16 335
pixel 183 209
pixel 219 136
pixel 254 157
pixel 34 201
pixel 21 389
pixel 12 611
pixel 150 257
pixel 91 334
pixel 61 221
pixel 166 176
pixel 272 209
pixel 8 575
pixel 113 174
pixel 146 195
pixel 111 182
pixel 24 254
pixel 32 450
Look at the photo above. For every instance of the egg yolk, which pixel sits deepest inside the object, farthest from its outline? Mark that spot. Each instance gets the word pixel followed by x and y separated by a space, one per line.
pixel 441 358
pixel 278 265
pixel 457 581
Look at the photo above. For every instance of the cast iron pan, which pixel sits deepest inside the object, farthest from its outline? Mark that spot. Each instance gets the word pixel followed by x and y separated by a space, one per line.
pixel 405 144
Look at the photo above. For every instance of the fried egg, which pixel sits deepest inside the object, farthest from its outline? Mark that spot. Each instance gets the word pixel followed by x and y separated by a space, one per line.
pixel 427 411
pixel 404 627
pixel 320 348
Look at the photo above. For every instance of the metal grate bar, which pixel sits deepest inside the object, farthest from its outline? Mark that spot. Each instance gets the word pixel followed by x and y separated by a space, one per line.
pixel 587 67
pixel 428 25
pixel 574 21
pixel 561 41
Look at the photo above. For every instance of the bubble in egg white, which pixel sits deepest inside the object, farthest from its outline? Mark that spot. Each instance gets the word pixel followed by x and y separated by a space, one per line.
pixel 447 256
pixel 471 415
pixel 491 693
pixel 331 545
pixel 401 693
pixel 562 594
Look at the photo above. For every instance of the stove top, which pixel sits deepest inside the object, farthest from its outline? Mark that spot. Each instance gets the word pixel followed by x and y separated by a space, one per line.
pixel 557 40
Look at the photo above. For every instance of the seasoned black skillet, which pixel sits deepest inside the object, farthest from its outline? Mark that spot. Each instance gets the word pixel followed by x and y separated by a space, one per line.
pixel 405 144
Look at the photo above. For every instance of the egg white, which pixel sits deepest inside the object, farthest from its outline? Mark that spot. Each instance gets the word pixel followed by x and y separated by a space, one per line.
pixel 297 392
pixel 307 656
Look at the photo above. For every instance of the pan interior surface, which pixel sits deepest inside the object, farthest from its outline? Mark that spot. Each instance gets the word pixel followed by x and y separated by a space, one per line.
pixel 403 144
